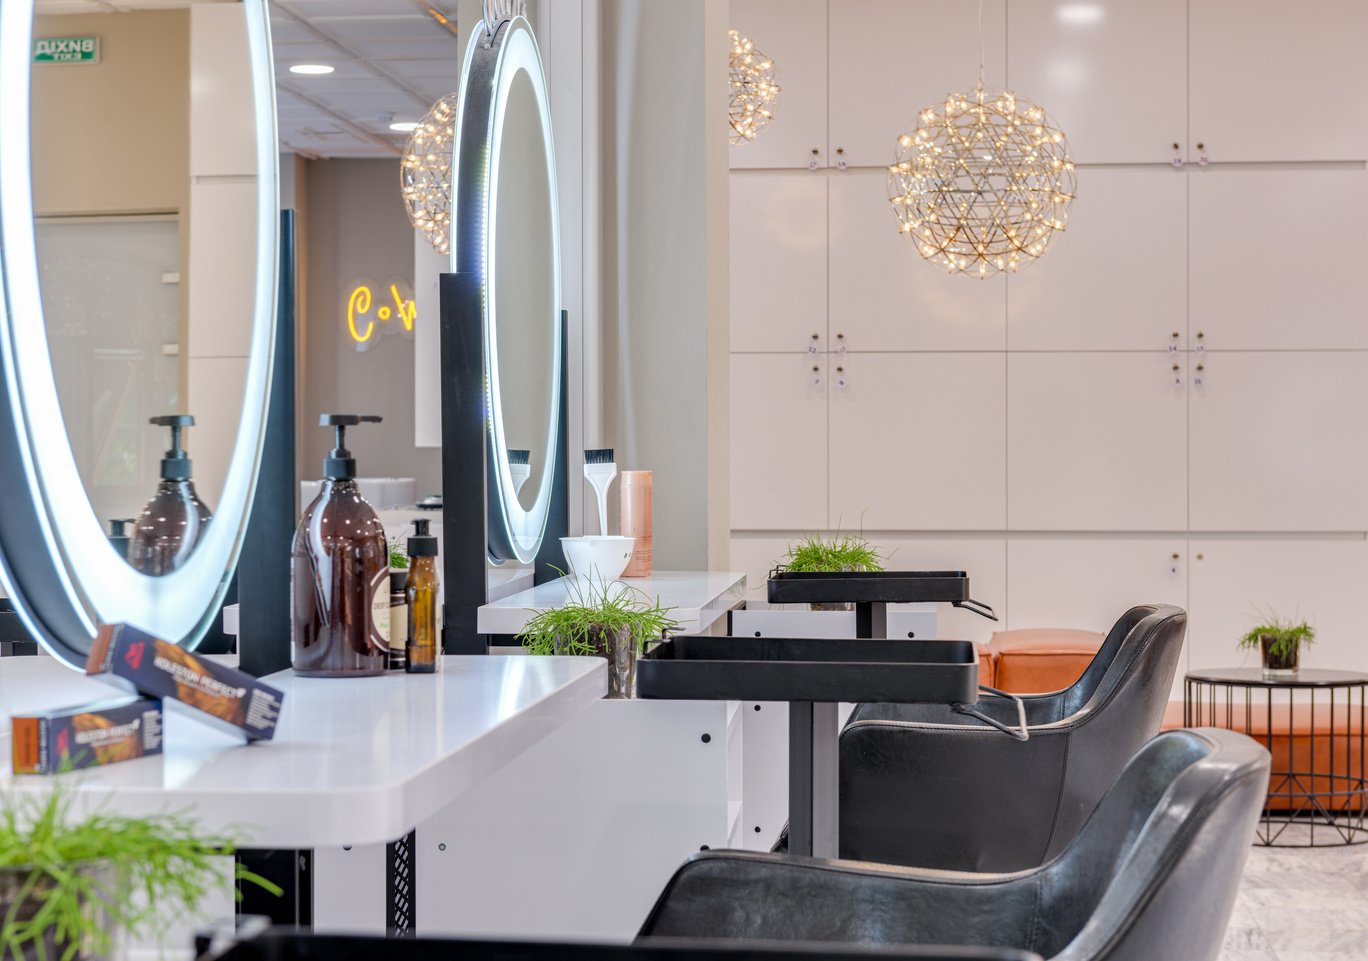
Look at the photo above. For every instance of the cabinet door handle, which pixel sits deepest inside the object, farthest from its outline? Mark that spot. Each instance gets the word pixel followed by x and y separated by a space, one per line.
pixel 816 379
pixel 840 159
pixel 812 164
pixel 1173 342
pixel 840 378
pixel 1201 155
pixel 1199 378
pixel 812 347
pixel 1177 375
pixel 1177 160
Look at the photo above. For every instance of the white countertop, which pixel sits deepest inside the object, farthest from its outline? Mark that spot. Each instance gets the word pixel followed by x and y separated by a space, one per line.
pixel 353 761
pixel 698 597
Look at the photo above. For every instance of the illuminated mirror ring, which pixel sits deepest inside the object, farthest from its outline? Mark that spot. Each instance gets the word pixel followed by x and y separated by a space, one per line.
pixel 56 562
pixel 492 65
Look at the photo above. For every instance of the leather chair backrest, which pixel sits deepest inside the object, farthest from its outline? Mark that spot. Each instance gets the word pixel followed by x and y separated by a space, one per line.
pixel 1153 874
pixel 1114 708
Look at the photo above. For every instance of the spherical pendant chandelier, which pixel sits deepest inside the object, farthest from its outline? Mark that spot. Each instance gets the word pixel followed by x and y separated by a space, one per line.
pixel 425 173
pixel 983 183
pixel 753 90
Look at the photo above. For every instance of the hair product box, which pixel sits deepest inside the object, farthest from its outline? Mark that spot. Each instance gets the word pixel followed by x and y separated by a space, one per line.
pixel 231 699
pixel 70 738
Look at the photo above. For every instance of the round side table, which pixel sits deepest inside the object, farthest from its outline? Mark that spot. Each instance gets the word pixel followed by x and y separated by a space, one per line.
pixel 1313 724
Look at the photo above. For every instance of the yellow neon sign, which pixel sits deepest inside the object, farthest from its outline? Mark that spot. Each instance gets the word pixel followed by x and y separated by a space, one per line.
pixel 366 327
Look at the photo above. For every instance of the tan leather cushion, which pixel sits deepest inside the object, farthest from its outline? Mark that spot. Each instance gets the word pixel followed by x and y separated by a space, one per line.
pixel 1039 659
pixel 1292 748
pixel 986 665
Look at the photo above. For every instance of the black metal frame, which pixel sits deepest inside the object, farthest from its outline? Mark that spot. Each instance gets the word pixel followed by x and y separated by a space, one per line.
pixel 467 468
pixel 1294 795
pixel 263 573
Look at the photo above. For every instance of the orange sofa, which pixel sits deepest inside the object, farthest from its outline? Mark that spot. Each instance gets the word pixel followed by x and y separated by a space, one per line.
pixel 1037 660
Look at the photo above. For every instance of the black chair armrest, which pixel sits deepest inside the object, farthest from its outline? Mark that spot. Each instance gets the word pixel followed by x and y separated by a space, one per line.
pixel 753 896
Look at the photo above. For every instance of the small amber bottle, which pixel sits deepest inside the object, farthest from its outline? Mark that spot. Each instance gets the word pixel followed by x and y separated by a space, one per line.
pixel 422 600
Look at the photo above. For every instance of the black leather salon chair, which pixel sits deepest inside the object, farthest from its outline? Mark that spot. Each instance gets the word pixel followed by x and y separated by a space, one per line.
pixel 1152 876
pixel 924 786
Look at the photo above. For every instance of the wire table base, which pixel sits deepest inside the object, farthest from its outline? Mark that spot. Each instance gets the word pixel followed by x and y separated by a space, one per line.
pixel 1313 723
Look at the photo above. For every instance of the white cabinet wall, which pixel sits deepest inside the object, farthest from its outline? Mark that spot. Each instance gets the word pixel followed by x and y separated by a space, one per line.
pixel 1185 373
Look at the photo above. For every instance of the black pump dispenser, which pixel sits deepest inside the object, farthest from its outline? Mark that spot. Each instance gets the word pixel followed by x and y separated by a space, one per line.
pixel 172 522
pixel 339 464
pixel 175 466
pixel 119 536
pixel 339 571
pixel 421 543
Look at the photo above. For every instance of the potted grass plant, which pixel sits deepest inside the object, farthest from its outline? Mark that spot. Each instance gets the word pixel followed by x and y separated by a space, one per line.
pixel 71 886
pixel 1279 642
pixel 835 554
pixel 605 619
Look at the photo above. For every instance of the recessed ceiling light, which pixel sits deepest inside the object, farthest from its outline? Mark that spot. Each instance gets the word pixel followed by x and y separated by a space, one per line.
pixel 312 69
pixel 405 126
pixel 1080 14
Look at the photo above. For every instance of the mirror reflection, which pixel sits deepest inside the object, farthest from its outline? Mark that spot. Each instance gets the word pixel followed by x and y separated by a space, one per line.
pixel 144 187
pixel 524 286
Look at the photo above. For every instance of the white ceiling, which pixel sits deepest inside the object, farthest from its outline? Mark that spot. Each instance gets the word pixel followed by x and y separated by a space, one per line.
pixel 393 59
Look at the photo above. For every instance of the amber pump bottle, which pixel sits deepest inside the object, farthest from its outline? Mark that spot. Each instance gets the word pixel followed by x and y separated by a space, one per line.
pixel 339 573
pixel 172 522
pixel 422 600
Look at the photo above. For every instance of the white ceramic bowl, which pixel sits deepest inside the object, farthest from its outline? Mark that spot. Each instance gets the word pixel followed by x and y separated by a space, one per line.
pixel 599 557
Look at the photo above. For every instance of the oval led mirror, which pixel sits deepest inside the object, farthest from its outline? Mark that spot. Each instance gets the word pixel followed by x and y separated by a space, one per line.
pixel 138 260
pixel 506 232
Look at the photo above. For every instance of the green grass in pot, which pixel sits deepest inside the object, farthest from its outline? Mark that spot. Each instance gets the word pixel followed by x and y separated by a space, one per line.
pixel 1285 636
pixel 399 559
pixel 844 552
pixel 67 884
pixel 592 611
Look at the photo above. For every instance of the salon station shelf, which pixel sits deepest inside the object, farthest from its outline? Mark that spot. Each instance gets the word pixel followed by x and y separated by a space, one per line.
pixel 700 599
pixel 354 761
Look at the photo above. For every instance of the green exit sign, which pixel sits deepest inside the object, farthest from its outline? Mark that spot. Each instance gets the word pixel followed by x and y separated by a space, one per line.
pixel 66 50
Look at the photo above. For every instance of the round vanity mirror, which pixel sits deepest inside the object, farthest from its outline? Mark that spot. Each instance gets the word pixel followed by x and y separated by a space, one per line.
pixel 138 258
pixel 506 233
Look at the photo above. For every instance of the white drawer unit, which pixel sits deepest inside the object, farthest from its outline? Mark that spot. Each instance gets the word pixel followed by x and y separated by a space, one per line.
pixel 1117 278
pixel 778 441
pixel 891 58
pixel 1112 73
pixel 918 442
pixel 778 261
pixel 1278 441
pixel 1276 257
pixel 793 34
pixel 884 296
pixel 1096 441
pixel 1269 81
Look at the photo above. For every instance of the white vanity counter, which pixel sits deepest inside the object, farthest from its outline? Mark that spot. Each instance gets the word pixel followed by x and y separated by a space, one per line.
pixel 699 599
pixel 353 761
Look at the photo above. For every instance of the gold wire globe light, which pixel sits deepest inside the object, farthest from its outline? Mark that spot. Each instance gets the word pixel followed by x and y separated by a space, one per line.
pixel 753 90
pixel 425 173
pixel 983 183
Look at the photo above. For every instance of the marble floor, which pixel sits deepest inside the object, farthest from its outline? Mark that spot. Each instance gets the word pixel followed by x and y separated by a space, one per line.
pixel 1300 904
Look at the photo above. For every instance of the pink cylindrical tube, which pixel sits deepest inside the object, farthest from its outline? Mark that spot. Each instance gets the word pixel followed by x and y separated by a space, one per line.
pixel 636 520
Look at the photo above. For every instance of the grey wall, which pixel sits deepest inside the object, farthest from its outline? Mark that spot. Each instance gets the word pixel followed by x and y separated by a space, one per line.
pixel 664 264
pixel 355 227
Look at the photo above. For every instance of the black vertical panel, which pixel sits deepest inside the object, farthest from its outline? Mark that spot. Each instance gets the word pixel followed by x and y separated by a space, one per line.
pixel 264 565
pixel 551 557
pixel 465 540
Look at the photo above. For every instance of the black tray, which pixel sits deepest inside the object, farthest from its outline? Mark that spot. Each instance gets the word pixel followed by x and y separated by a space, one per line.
pixel 810 669
pixel 890 587
pixel 290 946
